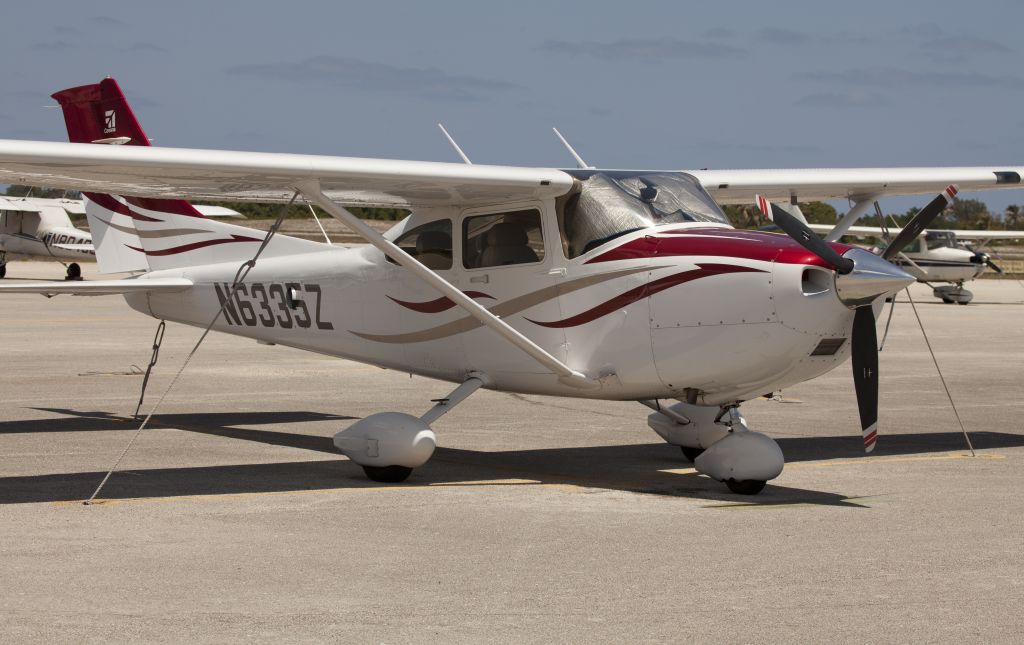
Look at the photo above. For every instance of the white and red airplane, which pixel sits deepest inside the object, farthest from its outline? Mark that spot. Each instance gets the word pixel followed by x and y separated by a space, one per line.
pixel 617 285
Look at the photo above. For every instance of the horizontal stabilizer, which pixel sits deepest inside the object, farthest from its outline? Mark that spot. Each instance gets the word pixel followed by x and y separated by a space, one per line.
pixel 99 287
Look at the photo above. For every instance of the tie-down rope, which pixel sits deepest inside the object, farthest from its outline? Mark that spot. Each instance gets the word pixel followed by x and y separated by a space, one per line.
pixel 239 276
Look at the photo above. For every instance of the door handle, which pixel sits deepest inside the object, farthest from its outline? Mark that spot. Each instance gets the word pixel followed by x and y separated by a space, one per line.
pixel 480 278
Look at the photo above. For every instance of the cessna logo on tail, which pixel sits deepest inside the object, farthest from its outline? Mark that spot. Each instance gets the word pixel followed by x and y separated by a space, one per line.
pixel 109 122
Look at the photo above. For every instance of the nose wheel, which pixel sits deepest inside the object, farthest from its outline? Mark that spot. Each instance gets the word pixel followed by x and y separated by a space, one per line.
pixel 74 272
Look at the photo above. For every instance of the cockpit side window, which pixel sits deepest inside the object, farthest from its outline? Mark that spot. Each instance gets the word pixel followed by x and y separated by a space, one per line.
pixel 501 239
pixel 430 243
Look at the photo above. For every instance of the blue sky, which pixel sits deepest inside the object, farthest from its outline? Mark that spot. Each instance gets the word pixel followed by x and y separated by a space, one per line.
pixel 638 85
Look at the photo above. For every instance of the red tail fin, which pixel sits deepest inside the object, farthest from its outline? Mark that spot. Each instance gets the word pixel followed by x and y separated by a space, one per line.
pixel 99 113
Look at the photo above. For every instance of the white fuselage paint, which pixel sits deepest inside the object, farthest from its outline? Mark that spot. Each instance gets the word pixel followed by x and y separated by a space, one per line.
pixel 941 264
pixel 732 336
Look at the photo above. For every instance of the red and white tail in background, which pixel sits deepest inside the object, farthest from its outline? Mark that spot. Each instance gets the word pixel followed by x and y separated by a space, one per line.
pixel 134 234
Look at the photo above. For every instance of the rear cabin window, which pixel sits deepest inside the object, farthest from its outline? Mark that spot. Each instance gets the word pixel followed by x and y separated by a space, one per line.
pixel 502 239
pixel 430 243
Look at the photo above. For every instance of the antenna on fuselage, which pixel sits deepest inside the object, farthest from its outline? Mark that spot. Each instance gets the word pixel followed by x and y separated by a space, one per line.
pixel 579 160
pixel 455 145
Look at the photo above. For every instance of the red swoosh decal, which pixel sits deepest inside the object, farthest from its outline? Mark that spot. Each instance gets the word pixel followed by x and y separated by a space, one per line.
pixel 748 245
pixel 170 206
pixel 645 291
pixel 111 204
pixel 437 306
pixel 195 245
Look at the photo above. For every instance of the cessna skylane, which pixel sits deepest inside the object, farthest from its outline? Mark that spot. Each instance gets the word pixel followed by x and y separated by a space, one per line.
pixel 616 285
pixel 39 227
pixel 939 255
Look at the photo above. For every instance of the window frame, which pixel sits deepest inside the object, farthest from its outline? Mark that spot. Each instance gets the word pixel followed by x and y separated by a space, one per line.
pixel 408 231
pixel 543 212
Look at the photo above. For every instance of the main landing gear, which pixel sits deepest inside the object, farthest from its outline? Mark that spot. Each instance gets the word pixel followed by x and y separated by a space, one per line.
pixel 3 265
pixel 719 444
pixel 951 293
pixel 389 445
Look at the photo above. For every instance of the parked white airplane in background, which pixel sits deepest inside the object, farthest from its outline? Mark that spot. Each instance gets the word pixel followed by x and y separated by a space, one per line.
pixel 939 255
pixel 42 228
pixel 612 285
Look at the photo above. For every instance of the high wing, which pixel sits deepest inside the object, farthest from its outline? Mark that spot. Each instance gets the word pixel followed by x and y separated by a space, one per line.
pixel 98 287
pixel 875 231
pixel 857 184
pixel 249 176
pixel 219 175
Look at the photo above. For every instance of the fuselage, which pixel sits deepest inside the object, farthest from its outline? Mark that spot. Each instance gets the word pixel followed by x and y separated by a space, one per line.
pixel 43 229
pixel 654 313
pixel 942 264
pixel 52 244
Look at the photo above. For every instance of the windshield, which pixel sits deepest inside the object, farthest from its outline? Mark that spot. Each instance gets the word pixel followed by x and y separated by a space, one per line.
pixel 609 205
pixel 939 239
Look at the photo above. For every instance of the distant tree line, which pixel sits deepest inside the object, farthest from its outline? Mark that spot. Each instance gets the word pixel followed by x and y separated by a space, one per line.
pixel 251 210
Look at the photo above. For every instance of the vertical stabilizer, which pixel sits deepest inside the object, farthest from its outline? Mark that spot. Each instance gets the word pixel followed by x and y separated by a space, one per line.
pixel 143 234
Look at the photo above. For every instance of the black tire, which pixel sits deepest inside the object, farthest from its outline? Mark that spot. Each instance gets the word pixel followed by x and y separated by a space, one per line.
pixel 387 474
pixel 746 487
pixel 947 301
pixel 961 302
pixel 3 271
pixel 691 453
pixel 74 272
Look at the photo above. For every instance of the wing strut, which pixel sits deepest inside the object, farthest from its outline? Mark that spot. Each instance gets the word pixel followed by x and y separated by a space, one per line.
pixel 848 220
pixel 565 373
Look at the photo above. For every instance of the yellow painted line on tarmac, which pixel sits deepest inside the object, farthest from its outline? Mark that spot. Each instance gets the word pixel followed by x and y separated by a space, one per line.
pixel 38 321
pixel 873 461
pixel 773 505
pixel 867 461
pixel 275 493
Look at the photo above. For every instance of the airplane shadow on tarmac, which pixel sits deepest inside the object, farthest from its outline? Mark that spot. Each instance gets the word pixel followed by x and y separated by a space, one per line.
pixel 636 468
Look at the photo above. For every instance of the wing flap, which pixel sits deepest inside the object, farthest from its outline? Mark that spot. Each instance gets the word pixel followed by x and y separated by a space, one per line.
pixel 99 287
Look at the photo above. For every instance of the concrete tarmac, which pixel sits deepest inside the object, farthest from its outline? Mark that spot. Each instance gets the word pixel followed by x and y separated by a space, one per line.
pixel 539 519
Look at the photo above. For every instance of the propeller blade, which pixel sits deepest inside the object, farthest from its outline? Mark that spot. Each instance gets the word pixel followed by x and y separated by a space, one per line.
pixel 920 222
pixel 803 235
pixel 864 355
pixel 994 266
